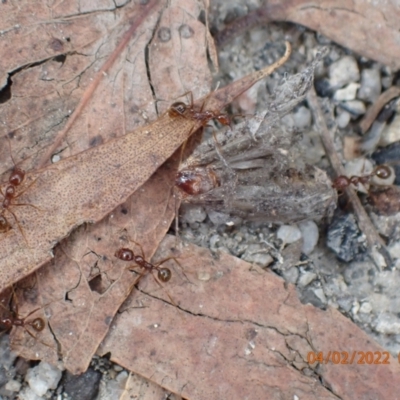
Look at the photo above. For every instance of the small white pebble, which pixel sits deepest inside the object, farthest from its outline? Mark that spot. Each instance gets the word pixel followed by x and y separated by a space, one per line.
pixel 347 93
pixel 343 71
pixel 43 377
pixel 193 213
pixel 394 250
pixel 321 295
pixel 386 324
pixel 288 233
pixel 309 231
pixel 302 117
pixel 366 307
pixel 355 308
pixel 370 85
pixel 355 107
pixel 28 394
pixel 13 386
pixel 203 276
pixel 306 279
pixel 55 158
pixel 343 119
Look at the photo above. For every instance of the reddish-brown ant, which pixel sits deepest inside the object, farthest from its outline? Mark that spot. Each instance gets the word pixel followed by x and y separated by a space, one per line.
pixel 163 274
pixel 180 109
pixel 10 318
pixel 343 182
pixel 15 180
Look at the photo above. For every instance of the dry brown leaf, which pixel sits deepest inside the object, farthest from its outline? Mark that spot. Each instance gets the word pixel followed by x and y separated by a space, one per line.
pixel 240 332
pixel 366 27
pixel 87 186
pixel 360 25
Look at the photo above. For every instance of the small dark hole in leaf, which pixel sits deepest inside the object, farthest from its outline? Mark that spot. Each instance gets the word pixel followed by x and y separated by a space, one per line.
pixel 96 141
pixel 5 92
pixel 95 284
pixel 60 58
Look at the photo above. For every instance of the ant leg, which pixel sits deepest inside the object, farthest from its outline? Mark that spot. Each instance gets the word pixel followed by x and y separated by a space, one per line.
pixel 25 189
pixel 9 145
pixel 19 226
pixel 218 150
pixel 140 247
pixel 166 291
pixel 27 204
pixel 191 97
pixel 126 237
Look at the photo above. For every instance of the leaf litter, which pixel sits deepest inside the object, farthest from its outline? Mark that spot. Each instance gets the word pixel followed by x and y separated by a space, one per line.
pixel 96 286
pixel 70 193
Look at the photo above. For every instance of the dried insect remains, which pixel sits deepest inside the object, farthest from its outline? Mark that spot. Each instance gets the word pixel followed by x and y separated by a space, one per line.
pixel 255 171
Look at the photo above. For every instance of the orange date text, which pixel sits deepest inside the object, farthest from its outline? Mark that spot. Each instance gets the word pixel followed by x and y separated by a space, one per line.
pixel 353 357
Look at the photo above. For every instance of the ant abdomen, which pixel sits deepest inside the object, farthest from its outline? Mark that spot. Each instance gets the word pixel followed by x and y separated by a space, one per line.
pixel 164 274
pixel 196 181
pixel 4 225
pixel 37 324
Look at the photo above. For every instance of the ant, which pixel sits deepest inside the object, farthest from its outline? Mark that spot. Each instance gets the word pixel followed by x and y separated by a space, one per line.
pixel 343 182
pixel 180 109
pixel 15 180
pixel 10 318
pixel 163 274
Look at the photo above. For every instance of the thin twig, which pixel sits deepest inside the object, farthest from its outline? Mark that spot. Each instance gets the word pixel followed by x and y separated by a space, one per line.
pixel 376 247
pixel 373 111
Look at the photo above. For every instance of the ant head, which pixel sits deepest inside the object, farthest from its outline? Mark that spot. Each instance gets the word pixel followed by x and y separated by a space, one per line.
pixel 341 182
pixel 124 254
pixel 164 274
pixel 224 119
pixel 177 109
pixel 10 190
pixel 6 323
